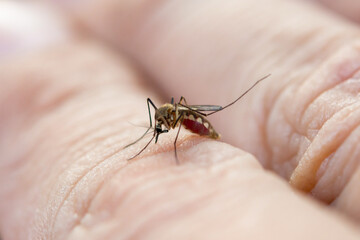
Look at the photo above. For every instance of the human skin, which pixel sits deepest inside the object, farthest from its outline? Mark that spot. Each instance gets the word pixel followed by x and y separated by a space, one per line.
pixel 348 8
pixel 66 111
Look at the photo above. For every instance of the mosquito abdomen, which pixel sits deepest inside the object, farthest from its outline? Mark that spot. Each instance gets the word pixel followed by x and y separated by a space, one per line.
pixel 199 125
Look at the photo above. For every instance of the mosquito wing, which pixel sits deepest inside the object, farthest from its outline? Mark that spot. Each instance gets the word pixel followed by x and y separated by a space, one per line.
pixel 202 108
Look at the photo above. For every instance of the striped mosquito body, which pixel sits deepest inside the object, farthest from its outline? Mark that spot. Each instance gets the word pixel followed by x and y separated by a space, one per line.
pixel 192 117
pixel 198 124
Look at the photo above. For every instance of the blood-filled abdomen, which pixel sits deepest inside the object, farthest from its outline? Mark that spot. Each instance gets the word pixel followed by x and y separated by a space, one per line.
pixel 199 125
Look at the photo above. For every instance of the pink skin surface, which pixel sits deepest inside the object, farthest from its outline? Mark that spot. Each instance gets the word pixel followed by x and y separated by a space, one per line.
pixel 67 101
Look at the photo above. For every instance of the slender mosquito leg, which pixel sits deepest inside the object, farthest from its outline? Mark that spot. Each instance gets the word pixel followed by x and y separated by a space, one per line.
pixel 176 108
pixel 176 157
pixel 201 113
pixel 148 101
pixel 177 120
pixel 143 148
pixel 158 134
pixel 182 99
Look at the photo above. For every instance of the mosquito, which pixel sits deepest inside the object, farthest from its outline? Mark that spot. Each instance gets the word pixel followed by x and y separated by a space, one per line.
pixel 192 117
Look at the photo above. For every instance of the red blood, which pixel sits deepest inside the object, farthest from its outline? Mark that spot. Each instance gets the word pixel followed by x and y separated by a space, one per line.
pixel 195 127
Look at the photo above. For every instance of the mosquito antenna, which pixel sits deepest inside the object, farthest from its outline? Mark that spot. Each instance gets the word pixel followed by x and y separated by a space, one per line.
pixel 136 125
pixel 263 78
pixel 147 131
pixel 150 127
pixel 143 148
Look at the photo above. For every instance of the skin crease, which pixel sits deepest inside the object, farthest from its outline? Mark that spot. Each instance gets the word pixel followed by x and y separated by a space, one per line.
pixel 64 174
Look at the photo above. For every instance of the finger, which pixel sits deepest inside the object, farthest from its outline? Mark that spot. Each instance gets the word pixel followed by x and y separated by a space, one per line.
pixel 349 8
pixel 65 174
pixel 211 52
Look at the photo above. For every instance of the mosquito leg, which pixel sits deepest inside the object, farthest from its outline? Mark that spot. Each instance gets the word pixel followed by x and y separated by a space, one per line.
pixel 177 120
pixel 149 101
pixel 183 99
pixel 142 149
pixel 201 113
pixel 148 104
pixel 176 108
pixel 137 140
pixel 158 134
pixel 176 157
pixel 185 106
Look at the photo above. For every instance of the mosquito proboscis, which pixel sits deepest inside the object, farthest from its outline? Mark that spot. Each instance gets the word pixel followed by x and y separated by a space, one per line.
pixel 192 117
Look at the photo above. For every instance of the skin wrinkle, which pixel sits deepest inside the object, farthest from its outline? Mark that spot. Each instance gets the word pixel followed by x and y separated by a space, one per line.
pixel 91 131
pixel 61 155
pixel 308 38
pixel 155 213
pixel 320 90
pixel 124 194
pixel 95 140
pixel 72 190
pixel 187 208
pixel 341 177
pixel 331 45
pixel 186 140
pixel 322 96
pixel 317 129
pixel 44 137
pixel 143 183
pixel 89 172
pixel 92 143
pixel 30 68
pixel 86 211
pixel 58 104
pixel 153 221
pixel 305 176
pixel 280 100
pixel 348 199
pixel 346 167
pixel 338 108
pixel 83 176
pixel 319 94
pixel 86 139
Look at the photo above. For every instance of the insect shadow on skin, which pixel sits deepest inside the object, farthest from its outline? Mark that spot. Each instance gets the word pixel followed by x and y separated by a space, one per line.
pixel 192 117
